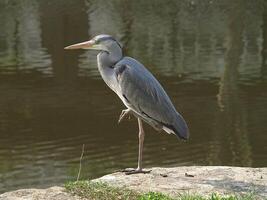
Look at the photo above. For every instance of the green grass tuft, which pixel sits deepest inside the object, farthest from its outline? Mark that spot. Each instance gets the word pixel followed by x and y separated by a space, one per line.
pixel 154 196
pixel 102 191
pixel 99 191
pixel 215 196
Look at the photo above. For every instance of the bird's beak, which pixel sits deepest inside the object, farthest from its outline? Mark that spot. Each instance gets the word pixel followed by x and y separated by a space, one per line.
pixel 83 45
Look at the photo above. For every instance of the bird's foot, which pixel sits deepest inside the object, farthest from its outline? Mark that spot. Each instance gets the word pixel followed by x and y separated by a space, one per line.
pixel 123 114
pixel 130 171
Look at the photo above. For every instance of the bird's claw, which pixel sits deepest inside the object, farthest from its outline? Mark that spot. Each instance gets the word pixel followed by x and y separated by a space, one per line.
pixel 123 114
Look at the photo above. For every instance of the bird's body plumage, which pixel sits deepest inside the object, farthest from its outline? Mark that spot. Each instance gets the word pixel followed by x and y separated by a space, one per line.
pixel 142 93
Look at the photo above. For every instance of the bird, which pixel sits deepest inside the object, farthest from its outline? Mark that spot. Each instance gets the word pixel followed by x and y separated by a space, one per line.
pixel 138 89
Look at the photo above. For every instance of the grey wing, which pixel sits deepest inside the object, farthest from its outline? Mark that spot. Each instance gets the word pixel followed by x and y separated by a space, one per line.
pixel 146 97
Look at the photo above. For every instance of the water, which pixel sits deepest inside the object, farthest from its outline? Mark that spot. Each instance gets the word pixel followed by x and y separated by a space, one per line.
pixel 210 56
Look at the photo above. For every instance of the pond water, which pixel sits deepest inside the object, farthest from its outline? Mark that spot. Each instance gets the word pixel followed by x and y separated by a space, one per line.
pixel 210 56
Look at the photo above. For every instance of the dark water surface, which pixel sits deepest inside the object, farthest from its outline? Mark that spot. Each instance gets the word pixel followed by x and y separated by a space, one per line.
pixel 210 56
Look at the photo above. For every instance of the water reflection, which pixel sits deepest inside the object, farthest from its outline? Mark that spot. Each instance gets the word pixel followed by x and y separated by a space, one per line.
pixel 209 55
pixel 21 38
pixel 234 114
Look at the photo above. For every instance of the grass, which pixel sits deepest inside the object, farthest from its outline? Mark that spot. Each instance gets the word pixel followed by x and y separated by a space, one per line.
pixel 101 191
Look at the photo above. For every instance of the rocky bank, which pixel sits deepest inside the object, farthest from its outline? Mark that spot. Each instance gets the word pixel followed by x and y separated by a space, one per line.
pixel 172 181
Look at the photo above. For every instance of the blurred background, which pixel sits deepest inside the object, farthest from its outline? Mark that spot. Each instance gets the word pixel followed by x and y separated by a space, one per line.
pixel 210 56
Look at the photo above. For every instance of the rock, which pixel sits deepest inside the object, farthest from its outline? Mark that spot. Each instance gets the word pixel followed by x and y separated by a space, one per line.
pixel 172 181
pixel 201 180
pixel 52 193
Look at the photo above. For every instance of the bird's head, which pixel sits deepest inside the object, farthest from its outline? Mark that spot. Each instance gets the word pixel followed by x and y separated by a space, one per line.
pixel 100 42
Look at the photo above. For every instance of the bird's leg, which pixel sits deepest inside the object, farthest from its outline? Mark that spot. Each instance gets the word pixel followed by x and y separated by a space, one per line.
pixel 139 168
pixel 123 114
pixel 141 142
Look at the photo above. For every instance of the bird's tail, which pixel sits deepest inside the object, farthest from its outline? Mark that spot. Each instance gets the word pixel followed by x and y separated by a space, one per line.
pixel 179 127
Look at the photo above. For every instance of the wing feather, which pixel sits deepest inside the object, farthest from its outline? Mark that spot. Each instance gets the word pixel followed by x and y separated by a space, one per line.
pixel 146 97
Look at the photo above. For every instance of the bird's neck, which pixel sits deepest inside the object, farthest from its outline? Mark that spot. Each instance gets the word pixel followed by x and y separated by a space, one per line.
pixel 105 61
pixel 108 59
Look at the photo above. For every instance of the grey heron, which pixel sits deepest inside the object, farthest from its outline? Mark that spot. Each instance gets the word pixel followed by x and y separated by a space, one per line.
pixel 139 90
